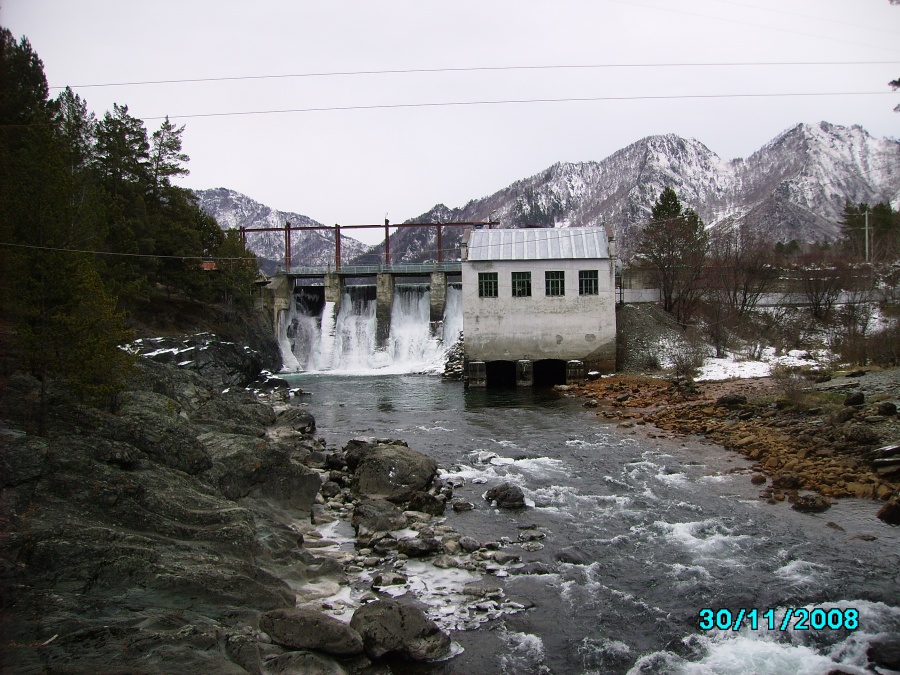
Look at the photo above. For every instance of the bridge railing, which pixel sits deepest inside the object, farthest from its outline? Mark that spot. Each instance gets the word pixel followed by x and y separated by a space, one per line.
pixel 409 269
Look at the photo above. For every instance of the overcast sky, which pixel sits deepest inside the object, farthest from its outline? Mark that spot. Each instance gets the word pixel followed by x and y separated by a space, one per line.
pixel 356 165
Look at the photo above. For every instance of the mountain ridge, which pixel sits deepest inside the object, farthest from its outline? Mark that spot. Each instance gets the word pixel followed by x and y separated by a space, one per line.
pixel 793 187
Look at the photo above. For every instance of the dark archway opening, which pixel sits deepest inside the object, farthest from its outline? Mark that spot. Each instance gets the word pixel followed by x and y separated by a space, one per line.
pixel 501 374
pixel 549 372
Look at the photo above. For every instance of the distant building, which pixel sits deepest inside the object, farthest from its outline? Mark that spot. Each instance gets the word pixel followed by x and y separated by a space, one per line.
pixel 538 304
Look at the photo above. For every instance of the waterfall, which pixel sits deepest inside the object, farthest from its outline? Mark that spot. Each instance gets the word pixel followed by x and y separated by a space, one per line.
pixel 314 337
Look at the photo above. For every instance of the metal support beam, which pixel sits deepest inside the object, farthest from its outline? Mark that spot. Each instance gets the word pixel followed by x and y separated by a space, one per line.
pixel 337 247
pixel 387 242
pixel 440 245
pixel 287 247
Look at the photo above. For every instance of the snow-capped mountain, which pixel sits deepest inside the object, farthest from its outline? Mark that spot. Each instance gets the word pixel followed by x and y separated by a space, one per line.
pixel 794 187
pixel 233 210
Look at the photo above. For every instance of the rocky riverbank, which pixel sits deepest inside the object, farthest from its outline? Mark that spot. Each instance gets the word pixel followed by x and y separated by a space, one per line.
pixel 205 528
pixel 837 438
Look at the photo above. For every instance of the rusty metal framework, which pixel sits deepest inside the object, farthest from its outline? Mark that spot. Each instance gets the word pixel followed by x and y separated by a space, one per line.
pixel 288 228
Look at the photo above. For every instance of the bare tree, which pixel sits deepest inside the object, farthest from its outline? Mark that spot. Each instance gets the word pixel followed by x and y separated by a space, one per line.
pixel 823 277
pixel 740 269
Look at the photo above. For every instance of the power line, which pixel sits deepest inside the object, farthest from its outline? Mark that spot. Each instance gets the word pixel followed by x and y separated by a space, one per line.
pixel 113 253
pixel 472 69
pixel 442 104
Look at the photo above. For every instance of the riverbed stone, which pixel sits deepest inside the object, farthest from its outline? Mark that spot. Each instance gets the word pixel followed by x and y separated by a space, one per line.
pixel 506 496
pixel 388 626
pixel 376 515
pixel 426 503
pixel 890 511
pixel 304 628
pixel 813 503
pixel 419 548
pixel 392 472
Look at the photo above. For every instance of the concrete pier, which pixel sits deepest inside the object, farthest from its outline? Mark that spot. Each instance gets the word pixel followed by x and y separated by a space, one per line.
pixel 384 302
pixel 438 303
pixel 334 289
pixel 524 373
pixel 278 297
pixel 477 374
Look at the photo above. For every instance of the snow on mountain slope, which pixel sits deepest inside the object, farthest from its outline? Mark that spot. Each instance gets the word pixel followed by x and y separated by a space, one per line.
pixel 233 210
pixel 794 187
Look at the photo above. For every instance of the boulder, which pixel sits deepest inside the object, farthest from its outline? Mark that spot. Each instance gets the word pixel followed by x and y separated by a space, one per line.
pixel 786 480
pixel 813 503
pixel 376 515
pixel 419 548
pixel 426 503
pixel 304 628
pixel 729 400
pixel 392 472
pixel 235 410
pixel 306 663
pixel 506 496
pixel 856 398
pixel 885 652
pixel 390 627
pixel 890 511
pixel 297 419
pixel 242 464
pixel 887 409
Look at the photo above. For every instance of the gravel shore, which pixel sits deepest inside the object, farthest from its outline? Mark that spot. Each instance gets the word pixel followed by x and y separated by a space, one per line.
pixel 802 435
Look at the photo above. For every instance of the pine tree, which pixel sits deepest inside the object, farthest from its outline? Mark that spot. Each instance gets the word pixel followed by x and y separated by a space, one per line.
pixel 674 245
pixel 166 158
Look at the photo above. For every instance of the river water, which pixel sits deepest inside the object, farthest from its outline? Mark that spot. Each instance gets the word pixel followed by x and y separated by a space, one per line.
pixel 641 535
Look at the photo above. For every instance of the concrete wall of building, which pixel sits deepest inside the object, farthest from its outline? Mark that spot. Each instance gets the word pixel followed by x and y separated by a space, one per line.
pixel 538 327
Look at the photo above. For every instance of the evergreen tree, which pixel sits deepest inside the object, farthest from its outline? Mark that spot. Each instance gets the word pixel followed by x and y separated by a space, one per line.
pixel 49 287
pixel 123 154
pixel 674 245
pixel 166 158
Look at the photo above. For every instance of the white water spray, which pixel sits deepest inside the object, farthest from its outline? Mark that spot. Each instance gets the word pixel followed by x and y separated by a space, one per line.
pixel 315 338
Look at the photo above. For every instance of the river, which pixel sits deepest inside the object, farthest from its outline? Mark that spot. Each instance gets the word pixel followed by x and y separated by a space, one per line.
pixel 641 534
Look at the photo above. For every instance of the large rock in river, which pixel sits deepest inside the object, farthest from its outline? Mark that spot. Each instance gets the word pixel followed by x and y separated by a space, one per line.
pixel 390 627
pixel 392 472
pixel 304 628
pixel 242 465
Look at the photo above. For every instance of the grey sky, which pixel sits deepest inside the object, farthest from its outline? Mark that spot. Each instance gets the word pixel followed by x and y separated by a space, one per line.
pixel 353 166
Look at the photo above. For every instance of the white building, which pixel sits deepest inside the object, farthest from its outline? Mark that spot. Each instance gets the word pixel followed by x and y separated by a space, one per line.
pixel 535 300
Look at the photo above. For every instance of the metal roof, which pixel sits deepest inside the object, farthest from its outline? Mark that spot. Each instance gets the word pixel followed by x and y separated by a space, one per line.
pixel 538 244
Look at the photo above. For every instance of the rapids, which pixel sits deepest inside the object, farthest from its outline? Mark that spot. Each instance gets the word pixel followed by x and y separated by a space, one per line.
pixel 642 534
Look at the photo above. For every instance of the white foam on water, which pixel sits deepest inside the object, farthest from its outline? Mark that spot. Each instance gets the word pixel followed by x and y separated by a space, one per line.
pixel 526 655
pixel 676 479
pixel 801 572
pixel 706 538
pixel 777 652
pixel 343 341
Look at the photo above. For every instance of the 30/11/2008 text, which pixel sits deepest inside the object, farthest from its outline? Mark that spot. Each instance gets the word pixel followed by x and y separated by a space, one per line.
pixel 793 618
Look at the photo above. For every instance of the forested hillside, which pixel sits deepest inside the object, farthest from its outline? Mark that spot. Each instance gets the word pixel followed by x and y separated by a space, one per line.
pixel 92 229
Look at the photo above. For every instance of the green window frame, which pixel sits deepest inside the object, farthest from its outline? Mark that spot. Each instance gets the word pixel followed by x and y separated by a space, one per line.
pixel 588 282
pixel 521 284
pixel 487 285
pixel 555 283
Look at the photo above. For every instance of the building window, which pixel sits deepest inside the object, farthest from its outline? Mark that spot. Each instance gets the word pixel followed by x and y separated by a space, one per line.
pixel 487 284
pixel 555 283
pixel 588 282
pixel 521 284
